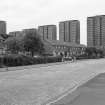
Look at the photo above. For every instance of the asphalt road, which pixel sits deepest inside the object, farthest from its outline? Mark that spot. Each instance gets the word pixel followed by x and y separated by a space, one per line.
pixel 41 85
pixel 91 93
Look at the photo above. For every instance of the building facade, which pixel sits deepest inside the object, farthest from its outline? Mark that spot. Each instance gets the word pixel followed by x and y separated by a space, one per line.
pixel 96 31
pixel 66 48
pixel 2 27
pixel 48 32
pixel 15 34
pixel 69 31
pixel 33 31
pixel 30 30
pixel 23 32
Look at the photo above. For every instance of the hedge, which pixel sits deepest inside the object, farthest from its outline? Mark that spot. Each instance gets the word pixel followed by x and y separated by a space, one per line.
pixel 21 60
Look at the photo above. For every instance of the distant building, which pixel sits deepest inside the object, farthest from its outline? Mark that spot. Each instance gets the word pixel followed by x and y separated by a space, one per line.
pixel 2 27
pixel 23 32
pixel 30 30
pixel 15 33
pixel 69 31
pixel 48 32
pixel 96 31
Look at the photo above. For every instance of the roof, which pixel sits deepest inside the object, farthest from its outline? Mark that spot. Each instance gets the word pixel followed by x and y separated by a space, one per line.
pixel 69 44
pixel 96 16
pixel 47 25
pixel 29 29
pixel 69 21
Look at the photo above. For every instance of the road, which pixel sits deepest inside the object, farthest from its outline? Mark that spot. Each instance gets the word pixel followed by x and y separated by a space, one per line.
pixel 91 93
pixel 41 85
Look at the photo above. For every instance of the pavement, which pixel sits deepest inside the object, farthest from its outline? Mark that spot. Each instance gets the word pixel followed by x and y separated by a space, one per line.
pixel 43 85
pixel 90 93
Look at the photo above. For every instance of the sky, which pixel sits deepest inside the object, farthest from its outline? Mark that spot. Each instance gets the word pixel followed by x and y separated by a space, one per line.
pixel 22 14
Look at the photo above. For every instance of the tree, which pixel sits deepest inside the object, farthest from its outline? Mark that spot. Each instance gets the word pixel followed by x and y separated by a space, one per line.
pixel 33 43
pixel 13 44
pixel 94 52
pixel 91 51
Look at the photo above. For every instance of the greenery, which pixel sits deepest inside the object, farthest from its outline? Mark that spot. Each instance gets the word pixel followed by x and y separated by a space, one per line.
pixel 13 60
pixel 13 45
pixel 31 42
pixel 92 53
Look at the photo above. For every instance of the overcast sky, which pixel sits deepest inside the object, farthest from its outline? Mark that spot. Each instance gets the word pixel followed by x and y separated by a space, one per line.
pixel 21 14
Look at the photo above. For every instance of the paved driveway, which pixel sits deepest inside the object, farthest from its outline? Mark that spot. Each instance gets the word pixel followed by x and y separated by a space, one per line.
pixel 38 86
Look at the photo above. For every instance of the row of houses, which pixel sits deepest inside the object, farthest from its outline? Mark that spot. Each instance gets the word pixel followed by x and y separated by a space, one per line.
pixel 65 48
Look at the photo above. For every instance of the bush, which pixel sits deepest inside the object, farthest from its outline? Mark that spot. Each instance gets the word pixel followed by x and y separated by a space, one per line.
pixel 21 60
pixel 84 56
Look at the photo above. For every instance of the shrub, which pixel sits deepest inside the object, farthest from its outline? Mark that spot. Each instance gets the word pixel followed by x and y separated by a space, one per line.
pixel 21 60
